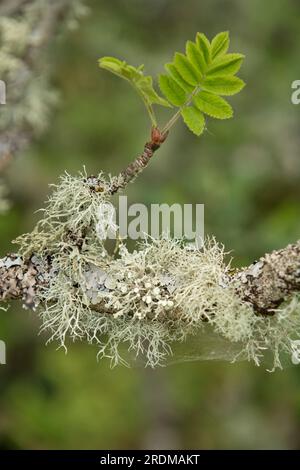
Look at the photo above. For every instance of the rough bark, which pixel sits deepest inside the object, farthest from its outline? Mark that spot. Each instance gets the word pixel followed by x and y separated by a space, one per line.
pixel 21 279
pixel 267 282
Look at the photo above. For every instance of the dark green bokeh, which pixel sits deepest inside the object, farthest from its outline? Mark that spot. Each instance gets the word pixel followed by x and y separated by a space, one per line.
pixel 246 171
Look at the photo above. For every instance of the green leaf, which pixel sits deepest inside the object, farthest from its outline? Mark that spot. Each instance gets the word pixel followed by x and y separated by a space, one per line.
pixel 204 46
pixel 178 78
pixel 213 105
pixel 135 75
pixel 194 119
pixel 171 90
pixel 220 44
pixel 188 72
pixel 145 86
pixel 228 64
pixel 113 65
pixel 195 81
pixel 196 57
pixel 223 85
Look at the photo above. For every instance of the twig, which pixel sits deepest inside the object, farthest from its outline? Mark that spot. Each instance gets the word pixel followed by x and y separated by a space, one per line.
pixel 139 164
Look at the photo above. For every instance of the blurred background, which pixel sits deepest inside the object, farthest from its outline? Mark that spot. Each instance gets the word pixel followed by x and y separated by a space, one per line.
pixel 246 171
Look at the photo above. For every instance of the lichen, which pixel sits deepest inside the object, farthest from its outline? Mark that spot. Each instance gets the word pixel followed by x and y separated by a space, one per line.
pixel 276 334
pixel 162 292
pixel 67 238
pixel 69 220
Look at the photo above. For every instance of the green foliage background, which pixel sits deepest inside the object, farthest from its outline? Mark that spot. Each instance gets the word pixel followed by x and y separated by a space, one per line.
pixel 246 171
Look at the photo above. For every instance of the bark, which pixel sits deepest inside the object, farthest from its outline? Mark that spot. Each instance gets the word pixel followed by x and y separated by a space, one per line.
pixel 133 169
pixel 21 279
pixel 268 281
pixel 139 164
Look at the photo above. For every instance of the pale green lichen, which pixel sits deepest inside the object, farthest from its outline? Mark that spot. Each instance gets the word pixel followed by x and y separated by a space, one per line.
pixel 70 217
pixel 66 236
pixel 161 293
pixel 276 334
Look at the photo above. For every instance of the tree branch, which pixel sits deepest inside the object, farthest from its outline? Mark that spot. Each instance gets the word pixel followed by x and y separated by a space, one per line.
pixel 139 164
pixel 268 281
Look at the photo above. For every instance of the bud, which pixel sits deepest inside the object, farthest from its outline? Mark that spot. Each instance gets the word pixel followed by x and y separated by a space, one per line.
pixel 155 135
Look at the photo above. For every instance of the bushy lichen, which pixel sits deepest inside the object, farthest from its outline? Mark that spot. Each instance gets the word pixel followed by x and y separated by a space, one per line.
pixel 275 334
pixel 69 221
pixel 66 236
pixel 146 299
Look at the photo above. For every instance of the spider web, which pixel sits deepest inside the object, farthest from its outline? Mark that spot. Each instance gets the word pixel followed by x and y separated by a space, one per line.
pixel 206 345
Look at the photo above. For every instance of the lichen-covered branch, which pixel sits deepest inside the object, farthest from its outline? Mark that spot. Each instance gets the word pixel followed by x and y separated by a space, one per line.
pixel 26 29
pixel 264 285
pixel 160 293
